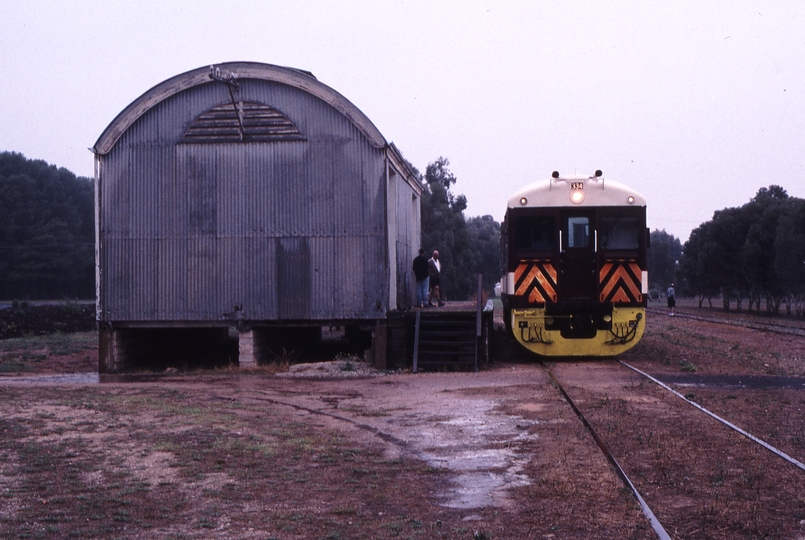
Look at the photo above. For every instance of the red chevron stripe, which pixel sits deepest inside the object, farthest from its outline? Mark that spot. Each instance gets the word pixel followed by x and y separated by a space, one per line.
pixel 621 284
pixel 533 271
pixel 535 279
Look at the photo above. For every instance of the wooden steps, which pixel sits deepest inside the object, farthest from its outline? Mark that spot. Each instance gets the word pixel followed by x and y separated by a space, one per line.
pixel 446 339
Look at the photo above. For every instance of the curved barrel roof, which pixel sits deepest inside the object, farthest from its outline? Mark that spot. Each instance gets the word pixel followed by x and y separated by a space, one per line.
pixel 242 70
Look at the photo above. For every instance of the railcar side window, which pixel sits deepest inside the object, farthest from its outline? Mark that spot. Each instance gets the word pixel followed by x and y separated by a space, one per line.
pixel 535 233
pixel 578 232
pixel 619 232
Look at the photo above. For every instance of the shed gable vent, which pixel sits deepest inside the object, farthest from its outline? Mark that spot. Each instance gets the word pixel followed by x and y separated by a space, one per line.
pixel 261 123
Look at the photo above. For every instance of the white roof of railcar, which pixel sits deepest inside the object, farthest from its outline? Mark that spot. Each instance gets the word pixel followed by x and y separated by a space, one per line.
pixel 557 191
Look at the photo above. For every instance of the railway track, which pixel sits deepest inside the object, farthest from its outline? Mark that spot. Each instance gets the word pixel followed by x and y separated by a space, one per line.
pixel 655 523
pixel 727 423
pixel 602 444
pixel 753 324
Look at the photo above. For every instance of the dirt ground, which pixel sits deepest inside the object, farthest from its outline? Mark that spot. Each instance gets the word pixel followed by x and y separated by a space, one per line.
pixel 337 450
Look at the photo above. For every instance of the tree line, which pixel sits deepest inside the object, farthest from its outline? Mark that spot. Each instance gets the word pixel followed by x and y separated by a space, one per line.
pixel 750 254
pixel 467 246
pixel 47 231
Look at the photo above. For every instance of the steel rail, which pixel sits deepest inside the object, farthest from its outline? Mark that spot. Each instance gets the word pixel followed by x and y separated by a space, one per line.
pixel 655 523
pixel 746 434
pixel 752 325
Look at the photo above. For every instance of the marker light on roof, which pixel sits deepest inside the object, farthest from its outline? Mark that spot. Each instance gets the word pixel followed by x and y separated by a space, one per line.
pixel 523 201
pixel 630 199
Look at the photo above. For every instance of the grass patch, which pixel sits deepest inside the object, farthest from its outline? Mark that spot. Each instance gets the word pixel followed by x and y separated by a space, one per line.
pixel 688 366
pixel 57 343
pixel 14 366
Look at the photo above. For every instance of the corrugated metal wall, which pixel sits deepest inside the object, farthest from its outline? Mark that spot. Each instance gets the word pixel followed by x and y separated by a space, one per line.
pixel 404 220
pixel 274 231
pixel 408 246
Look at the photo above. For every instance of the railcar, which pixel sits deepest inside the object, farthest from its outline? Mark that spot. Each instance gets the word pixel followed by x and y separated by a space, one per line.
pixel 574 266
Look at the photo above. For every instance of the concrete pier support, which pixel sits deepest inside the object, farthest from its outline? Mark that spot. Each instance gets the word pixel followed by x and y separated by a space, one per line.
pixel 113 356
pixel 251 348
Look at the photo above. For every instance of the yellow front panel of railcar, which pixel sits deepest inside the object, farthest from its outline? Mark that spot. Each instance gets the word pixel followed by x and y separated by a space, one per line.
pixel 530 328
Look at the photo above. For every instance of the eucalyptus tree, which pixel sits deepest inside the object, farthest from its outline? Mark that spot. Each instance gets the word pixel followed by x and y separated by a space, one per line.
pixel 696 265
pixel 445 229
pixel 762 214
pixel 484 234
pixel 789 256
pixel 466 247
pixel 663 257
pixel 723 254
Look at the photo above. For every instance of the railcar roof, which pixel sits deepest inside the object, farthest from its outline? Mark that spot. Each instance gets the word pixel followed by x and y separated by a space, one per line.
pixel 597 191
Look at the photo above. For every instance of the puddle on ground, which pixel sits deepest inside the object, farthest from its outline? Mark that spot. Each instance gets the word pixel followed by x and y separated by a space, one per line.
pixel 90 377
pixel 477 444
pixel 69 378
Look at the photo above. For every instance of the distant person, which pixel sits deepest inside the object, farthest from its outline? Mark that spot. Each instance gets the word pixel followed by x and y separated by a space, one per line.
pixel 671 295
pixel 421 273
pixel 434 276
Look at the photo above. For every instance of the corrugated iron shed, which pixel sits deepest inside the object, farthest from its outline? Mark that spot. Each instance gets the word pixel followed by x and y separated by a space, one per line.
pixel 250 192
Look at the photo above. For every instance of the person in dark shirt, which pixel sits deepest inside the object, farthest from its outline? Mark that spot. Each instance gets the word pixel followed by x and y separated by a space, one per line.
pixel 421 275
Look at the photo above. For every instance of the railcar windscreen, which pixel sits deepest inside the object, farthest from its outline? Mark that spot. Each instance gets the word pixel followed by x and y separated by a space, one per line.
pixel 619 232
pixel 578 231
pixel 535 233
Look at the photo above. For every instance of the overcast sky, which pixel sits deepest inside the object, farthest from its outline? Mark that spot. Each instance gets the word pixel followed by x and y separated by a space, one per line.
pixel 696 104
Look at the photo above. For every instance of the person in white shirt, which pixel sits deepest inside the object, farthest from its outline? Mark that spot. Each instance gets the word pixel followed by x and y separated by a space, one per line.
pixel 434 275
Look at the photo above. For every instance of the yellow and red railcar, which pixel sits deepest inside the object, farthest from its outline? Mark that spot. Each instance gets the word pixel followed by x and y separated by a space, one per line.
pixel 574 278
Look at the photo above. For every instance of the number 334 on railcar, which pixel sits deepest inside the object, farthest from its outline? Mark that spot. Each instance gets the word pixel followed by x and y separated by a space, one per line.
pixel 574 277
